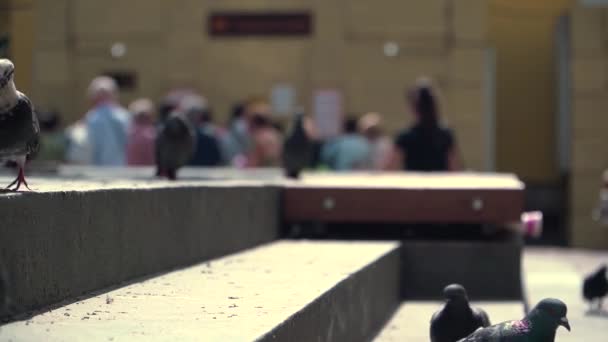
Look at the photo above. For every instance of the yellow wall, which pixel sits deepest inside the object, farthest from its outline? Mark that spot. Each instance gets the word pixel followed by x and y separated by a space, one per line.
pixel 523 34
pixel 589 147
pixel 18 20
pixel 4 23
pixel 168 46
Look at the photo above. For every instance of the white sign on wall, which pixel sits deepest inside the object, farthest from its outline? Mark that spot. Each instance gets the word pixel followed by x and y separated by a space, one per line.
pixel 283 98
pixel 328 108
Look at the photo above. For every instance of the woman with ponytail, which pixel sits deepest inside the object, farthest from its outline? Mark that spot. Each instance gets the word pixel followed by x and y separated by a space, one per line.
pixel 426 145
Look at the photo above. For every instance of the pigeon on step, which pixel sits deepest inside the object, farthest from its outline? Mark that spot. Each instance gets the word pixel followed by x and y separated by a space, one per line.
pixel 298 148
pixel 175 145
pixel 595 287
pixel 457 319
pixel 538 326
pixel 19 129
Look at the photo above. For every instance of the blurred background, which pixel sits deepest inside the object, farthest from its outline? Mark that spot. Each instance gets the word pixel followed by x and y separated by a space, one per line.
pixel 522 83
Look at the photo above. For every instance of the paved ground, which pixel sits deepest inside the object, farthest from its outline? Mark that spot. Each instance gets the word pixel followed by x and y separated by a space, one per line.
pixel 549 272
pixel 411 321
pixel 556 272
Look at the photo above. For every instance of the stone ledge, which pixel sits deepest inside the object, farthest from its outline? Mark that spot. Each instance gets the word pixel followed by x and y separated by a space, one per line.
pixel 72 238
pixel 296 291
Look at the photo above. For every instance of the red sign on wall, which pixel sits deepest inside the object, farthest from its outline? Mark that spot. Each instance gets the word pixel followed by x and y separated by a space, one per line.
pixel 260 24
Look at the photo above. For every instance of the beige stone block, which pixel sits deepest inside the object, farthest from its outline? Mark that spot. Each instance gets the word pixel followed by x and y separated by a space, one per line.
pixel 470 19
pixel 464 104
pixel 589 118
pixel 266 5
pixel 589 157
pixel 51 66
pixel 586 233
pixel 584 190
pixel 110 17
pixel 589 75
pixel 586 30
pixel 51 21
pixel 367 60
pixel 409 18
pixel 471 151
pixel 184 16
pixel 467 65
pixel 21 3
pixel 328 21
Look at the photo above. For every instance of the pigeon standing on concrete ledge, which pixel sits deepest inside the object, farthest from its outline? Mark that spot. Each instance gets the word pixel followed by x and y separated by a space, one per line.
pixel 298 149
pixel 538 326
pixel 175 145
pixel 595 287
pixel 19 130
pixel 457 319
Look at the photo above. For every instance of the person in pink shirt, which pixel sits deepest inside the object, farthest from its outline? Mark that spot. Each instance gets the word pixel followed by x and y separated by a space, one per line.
pixel 142 133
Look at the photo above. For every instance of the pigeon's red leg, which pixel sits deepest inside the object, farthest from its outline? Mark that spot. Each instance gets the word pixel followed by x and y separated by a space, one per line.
pixel 21 178
pixel 18 181
pixel 8 187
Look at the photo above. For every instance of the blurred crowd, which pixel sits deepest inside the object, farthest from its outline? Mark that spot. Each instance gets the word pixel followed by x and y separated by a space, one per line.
pixel 109 134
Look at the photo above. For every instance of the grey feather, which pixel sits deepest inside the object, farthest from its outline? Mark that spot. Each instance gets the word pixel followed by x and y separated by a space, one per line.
pixel 538 326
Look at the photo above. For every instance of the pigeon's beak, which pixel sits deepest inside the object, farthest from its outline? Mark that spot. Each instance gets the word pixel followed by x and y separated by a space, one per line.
pixel 564 323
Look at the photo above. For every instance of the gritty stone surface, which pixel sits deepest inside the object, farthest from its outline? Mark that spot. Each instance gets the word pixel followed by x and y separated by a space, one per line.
pixel 237 298
pixel 73 237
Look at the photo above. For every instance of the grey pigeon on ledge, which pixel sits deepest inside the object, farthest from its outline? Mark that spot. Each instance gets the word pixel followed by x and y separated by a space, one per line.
pixel 19 129
pixel 595 287
pixel 538 326
pixel 175 145
pixel 457 319
pixel 298 148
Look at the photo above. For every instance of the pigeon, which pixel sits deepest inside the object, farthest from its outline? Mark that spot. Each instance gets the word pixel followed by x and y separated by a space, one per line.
pixel 175 145
pixel 457 319
pixel 538 326
pixel 19 128
pixel 595 287
pixel 298 148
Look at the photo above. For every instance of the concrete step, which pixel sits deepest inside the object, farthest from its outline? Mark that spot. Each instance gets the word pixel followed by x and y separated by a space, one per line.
pixel 411 322
pixel 283 291
pixel 73 237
